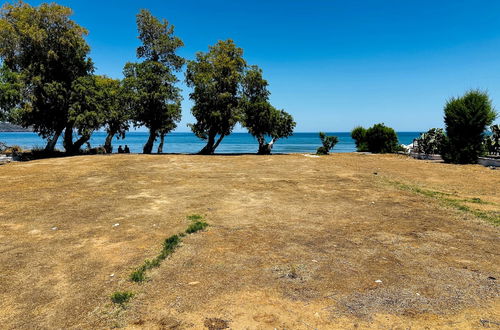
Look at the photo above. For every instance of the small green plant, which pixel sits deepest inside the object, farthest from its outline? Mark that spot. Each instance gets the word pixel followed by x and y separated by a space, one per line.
pixel 328 143
pixel 138 275
pixel 169 246
pixel 196 226
pixel 121 297
pixel 194 217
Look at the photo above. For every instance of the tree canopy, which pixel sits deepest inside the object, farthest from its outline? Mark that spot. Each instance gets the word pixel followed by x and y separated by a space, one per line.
pixel 149 86
pixel 258 115
pixel 215 77
pixel 466 119
pixel 48 51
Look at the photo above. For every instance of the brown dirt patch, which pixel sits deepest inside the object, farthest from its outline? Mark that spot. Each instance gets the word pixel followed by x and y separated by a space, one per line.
pixel 294 242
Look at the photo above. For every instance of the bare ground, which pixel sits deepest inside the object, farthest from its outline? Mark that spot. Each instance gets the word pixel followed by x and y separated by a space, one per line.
pixel 342 241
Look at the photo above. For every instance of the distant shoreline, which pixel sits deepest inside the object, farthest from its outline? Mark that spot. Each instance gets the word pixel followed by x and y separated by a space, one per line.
pixel 11 128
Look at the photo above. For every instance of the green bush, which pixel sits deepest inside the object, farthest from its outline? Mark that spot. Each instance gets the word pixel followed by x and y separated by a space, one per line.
pixel 328 143
pixel 121 297
pixel 377 139
pixel 196 226
pixel 431 142
pixel 466 119
pixel 358 134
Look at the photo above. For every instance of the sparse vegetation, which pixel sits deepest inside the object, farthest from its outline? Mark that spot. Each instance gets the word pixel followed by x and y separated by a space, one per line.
pixel 169 246
pixel 452 201
pixel 194 217
pixel 121 297
pixel 196 226
pixel 328 143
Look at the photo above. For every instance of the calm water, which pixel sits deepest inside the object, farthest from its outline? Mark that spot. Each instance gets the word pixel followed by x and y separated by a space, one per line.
pixel 189 143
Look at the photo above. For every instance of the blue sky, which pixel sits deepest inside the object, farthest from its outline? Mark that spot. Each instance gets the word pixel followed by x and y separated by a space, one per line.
pixel 331 64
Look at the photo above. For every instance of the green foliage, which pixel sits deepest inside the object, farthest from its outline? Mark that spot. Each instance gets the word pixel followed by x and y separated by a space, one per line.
pixel 86 112
pixel 149 86
pixel 466 119
pixel 377 139
pixel 115 111
pixel 194 217
pixel 328 143
pixel 121 297
pixel 492 142
pixel 215 77
pixel 10 92
pixel 49 53
pixel 431 142
pixel 453 201
pixel 196 226
pixel 358 134
pixel 170 244
pixel 258 115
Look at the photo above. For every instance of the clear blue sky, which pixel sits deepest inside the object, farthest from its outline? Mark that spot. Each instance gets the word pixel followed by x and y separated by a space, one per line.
pixel 331 64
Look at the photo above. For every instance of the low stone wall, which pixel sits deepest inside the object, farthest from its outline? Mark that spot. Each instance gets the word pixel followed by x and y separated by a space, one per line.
pixel 485 161
pixel 495 162
pixel 424 156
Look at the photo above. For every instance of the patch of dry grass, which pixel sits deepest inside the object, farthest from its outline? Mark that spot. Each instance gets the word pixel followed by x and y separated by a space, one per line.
pixel 295 242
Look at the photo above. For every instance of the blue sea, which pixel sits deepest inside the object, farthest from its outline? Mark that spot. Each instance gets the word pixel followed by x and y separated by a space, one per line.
pixel 178 142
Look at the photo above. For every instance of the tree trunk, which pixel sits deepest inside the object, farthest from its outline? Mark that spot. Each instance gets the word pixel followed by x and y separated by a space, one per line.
pixel 160 146
pixel 148 147
pixel 70 146
pixel 209 149
pixel 80 142
pixel 51 142
pixel 68 139
pixel 265 148
pixel 108 143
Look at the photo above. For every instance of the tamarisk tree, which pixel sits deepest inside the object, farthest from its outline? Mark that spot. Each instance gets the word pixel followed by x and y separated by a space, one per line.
pixel 150 86
pixel 259 116
pixel 48 51
pixel 116 112
pixel 215 77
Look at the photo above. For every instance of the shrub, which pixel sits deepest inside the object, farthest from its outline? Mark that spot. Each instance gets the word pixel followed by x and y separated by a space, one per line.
pixel 381 139
pixel 121 297
pixel 431 142
pixel 3 146
pixel 466 119
pixel 328 143
pixel 377 139
pixel 358 134
pixel 196 226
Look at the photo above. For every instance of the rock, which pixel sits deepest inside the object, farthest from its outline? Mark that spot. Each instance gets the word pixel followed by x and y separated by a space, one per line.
pixel 116 225
pixel 54 228
pixel 194 283
pixel 378 281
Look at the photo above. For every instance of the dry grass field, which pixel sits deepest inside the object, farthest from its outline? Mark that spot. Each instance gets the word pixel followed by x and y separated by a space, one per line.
pixel 294 242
